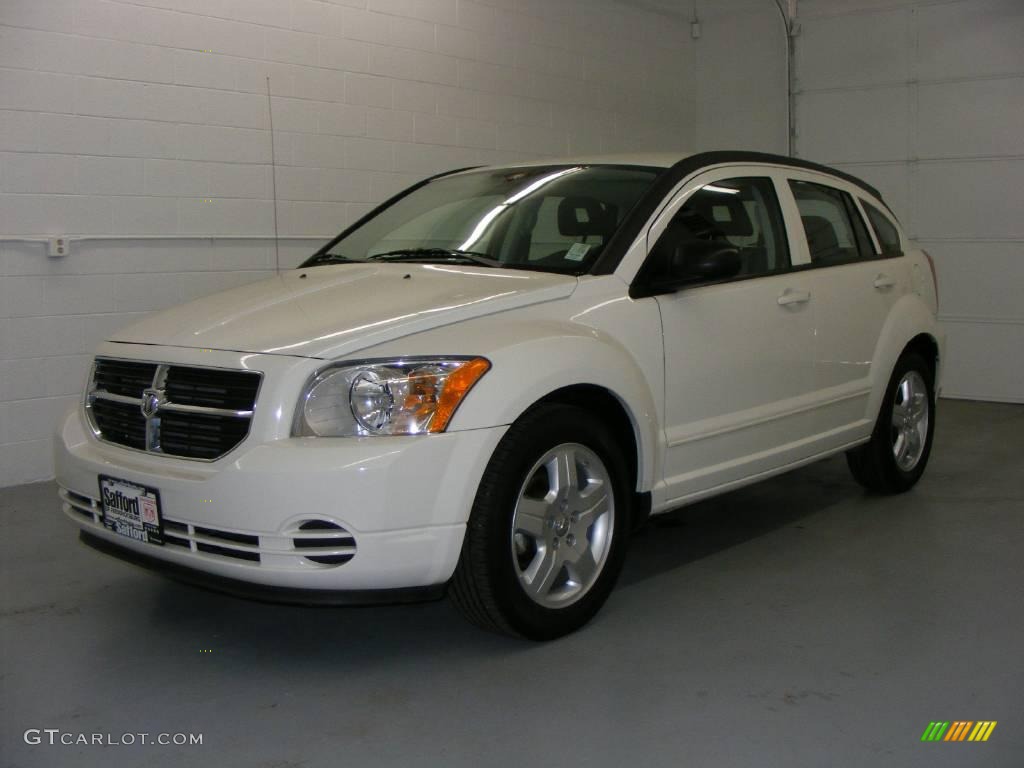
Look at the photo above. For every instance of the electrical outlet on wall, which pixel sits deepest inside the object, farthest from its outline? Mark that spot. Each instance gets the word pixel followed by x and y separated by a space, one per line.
pixel 58 246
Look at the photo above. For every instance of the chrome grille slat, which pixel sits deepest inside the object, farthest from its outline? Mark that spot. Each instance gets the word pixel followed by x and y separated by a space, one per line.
pixel 102 394
pixel 193 412
pixel 203 409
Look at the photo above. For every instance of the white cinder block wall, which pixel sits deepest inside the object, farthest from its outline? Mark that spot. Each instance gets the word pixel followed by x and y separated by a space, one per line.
pixel 926 100
pixel 143 125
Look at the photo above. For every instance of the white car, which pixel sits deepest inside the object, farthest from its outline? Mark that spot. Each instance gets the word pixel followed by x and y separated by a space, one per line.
pixel 485 384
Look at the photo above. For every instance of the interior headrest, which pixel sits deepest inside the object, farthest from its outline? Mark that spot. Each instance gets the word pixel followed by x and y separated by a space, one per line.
pixel 724 213
pixel 580 216
pixel 821 235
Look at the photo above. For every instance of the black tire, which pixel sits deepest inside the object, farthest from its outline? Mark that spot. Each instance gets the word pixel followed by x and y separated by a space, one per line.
pixel 874 464
pixel 486 586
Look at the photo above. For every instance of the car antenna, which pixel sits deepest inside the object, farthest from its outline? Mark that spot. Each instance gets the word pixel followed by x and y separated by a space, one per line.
pixel 273 180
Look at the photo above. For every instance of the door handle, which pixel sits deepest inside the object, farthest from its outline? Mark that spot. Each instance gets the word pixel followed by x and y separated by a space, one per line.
pixel 789 296
pixel 883 281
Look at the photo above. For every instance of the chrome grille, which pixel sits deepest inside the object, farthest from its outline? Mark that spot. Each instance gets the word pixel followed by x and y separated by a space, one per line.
pixel 177 410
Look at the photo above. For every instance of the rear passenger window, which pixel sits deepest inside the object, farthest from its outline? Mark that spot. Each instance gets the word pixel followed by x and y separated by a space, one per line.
pixel 887 234
pixel 834 229
pixel 743 213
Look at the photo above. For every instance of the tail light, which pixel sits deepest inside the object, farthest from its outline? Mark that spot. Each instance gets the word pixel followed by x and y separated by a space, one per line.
pixel 935 277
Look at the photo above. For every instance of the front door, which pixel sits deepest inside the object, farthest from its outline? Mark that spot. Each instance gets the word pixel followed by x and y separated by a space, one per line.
pixel 739 352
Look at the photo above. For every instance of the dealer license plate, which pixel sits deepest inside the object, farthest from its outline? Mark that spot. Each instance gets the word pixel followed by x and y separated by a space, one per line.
pixel 131 510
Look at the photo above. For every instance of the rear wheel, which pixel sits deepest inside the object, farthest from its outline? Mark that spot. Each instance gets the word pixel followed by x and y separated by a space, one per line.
pixel 895 457
pixel 547 534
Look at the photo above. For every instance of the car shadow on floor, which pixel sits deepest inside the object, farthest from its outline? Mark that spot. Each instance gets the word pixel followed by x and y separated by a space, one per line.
pixel 685 535
pixel 309 637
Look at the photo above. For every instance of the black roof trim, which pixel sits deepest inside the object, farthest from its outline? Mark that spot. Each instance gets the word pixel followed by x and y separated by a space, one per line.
pixel 648 203
pixel 766 158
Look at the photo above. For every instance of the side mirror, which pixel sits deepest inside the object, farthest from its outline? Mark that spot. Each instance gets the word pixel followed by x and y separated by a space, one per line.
pixel 698 261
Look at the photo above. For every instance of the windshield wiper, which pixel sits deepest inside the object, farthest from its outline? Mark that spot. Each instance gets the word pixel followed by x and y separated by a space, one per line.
pixel 431 254
pixel 328 258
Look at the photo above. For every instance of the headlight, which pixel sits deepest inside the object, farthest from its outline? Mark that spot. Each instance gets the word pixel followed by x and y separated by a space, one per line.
pixel 394 397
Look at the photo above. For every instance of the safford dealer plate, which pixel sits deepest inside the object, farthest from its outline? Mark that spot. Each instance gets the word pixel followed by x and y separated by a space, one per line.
pixel 131 510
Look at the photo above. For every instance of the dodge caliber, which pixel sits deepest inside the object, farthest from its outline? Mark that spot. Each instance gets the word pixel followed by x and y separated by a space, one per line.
pixel 483 386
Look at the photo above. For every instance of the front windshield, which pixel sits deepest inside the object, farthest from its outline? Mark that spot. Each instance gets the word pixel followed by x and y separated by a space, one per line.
pixel 550 218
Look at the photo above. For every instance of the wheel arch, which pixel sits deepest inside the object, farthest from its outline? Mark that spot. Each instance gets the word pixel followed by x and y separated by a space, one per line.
pixel 928 346
pixel 610 409
pixel 543 361
pixel 911 325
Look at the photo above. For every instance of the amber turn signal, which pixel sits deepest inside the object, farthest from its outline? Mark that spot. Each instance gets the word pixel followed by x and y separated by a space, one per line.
pixel 456 387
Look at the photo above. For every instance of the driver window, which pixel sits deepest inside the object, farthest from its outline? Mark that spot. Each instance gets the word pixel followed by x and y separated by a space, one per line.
pixel 742 213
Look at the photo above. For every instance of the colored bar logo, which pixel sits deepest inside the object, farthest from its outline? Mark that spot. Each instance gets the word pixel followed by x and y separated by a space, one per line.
pixel 959 730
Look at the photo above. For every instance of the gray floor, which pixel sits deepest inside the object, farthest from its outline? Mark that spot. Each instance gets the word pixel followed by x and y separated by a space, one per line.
pixel 794 623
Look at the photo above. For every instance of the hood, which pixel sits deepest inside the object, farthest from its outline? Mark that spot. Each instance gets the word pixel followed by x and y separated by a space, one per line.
pixel 330 311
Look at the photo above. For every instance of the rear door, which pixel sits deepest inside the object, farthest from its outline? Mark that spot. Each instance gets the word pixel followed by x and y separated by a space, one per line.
pixel 855 286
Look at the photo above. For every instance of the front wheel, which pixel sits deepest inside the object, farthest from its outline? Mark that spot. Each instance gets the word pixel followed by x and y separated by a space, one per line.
pixel 895 457
pixel 547 534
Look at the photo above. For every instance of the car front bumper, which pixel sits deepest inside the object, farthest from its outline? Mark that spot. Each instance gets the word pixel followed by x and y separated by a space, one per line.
pixel 403 501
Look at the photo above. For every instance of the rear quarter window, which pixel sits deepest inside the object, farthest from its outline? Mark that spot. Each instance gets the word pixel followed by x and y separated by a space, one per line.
pixel 887 234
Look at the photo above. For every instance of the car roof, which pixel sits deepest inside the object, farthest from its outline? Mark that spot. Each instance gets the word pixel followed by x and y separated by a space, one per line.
pixel 645 159
pixel 684 163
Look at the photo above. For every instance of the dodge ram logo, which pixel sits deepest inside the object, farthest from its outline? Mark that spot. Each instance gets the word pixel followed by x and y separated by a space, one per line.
pixel 151 401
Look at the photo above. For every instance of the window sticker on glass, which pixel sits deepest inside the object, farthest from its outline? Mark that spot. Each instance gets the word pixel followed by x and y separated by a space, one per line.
pixel 577 251
pixel 721 213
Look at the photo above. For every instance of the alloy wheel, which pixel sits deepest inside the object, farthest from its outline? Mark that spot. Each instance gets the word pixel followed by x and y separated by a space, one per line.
pixel 562 525
pixel 910 415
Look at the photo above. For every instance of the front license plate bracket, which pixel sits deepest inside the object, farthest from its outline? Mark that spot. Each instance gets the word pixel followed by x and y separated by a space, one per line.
pixel 131 510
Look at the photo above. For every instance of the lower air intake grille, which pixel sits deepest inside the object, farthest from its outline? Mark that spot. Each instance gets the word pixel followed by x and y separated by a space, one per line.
pixel 211 541
pixel 324 542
